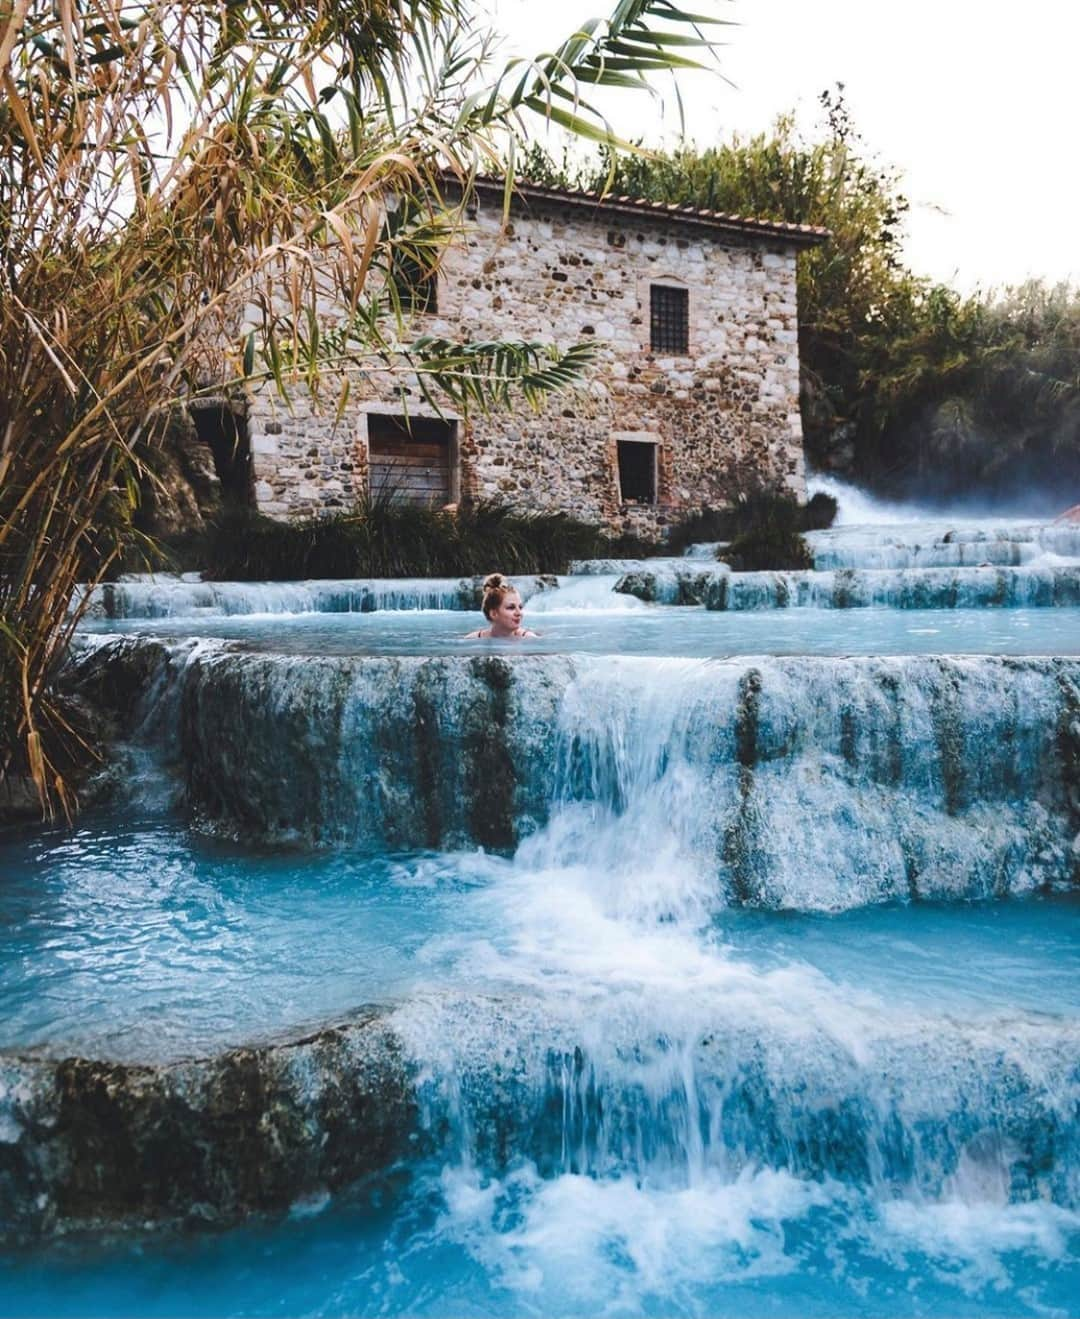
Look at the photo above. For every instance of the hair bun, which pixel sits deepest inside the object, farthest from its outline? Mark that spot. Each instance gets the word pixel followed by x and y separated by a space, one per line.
pixel 496 589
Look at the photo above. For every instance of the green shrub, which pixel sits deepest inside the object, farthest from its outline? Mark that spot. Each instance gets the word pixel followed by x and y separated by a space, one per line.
pixel 762 528
pixel 705 524
pixel 384 537
pixel 516 542
pixel 819 513
pixel 767 535
pixel 769 547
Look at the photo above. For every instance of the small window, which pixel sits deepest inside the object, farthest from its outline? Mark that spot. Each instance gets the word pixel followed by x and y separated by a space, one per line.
pixel 669 319
pixel 637 472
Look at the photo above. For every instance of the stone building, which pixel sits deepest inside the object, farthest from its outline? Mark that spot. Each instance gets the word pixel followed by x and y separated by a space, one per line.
pixel 694 395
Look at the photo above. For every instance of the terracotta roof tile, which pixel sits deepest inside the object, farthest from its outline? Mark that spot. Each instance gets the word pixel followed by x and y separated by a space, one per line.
pixel 800 235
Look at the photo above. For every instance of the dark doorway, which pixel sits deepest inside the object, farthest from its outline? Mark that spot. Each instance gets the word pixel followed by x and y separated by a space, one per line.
pixel 412 459
pixel 225 434
pixel 637 472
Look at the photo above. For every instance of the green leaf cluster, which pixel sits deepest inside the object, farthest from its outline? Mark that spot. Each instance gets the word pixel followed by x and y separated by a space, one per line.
pixel 976 396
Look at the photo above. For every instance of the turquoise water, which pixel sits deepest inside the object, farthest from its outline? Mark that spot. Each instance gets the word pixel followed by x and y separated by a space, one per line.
pixel 628 627
pixel 119 936
pixel 428 1241
pixel 144 941
pixel 723 983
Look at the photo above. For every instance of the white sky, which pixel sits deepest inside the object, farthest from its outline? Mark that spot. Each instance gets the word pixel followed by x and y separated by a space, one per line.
pixel 975 101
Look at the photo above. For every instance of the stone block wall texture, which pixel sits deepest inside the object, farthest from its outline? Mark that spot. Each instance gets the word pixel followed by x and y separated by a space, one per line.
pixel 724 415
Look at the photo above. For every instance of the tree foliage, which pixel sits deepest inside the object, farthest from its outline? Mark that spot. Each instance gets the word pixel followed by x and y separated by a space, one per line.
pixel 905 384
pixel 976 396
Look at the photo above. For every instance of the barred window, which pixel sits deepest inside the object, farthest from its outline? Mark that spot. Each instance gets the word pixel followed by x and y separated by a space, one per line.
pixel 669 319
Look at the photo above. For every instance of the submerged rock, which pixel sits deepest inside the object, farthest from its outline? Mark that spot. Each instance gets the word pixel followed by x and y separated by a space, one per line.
pixel 93 1145
pixel 686 582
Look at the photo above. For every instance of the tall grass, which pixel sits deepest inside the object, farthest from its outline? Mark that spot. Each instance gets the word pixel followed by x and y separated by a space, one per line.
pixel 185 189
pixel 383 537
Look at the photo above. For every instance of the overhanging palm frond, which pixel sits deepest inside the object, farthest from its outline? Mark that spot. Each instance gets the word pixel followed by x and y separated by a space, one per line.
pixel 166 168
pixel 473 376
pixel 485 375
pixel 641 38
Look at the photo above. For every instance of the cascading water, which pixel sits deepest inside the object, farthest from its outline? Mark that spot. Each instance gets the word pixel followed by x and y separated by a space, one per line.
pixel 147 596
pixel 947 545
pixel 642 1106
pixel 694 979
pixel 802 783
pixel 874 533
pixel 856 588
pixel 633 1039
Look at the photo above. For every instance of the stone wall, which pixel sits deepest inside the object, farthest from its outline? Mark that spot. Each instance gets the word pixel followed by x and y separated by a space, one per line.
pixel 722 416
pixel 305 459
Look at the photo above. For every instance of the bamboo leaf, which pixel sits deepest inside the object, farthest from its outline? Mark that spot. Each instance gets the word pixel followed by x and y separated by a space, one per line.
pixel 577 125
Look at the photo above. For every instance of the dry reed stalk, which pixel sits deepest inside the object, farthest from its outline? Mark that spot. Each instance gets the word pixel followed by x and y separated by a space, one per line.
pixel 167 169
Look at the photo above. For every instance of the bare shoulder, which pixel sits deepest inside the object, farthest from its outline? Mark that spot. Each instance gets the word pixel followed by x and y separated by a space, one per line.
pixel 478 634
pixel 527 632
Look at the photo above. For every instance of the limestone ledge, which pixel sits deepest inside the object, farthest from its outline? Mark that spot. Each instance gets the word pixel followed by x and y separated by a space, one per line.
pixel 92 1145
pixel 691 582
pixel 398 753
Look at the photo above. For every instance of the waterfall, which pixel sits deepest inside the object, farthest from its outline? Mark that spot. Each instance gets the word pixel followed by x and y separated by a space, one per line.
pixel 945 545
pixel 851 588
pixel 163 596
pixel 748 1070
pixel 799 782
pixel 926 588
pixel 627 968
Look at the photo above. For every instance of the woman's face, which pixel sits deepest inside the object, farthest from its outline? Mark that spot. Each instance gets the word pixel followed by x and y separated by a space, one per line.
pixel 507 617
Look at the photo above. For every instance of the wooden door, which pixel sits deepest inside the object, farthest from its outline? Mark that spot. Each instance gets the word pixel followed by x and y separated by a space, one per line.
pixel 411 459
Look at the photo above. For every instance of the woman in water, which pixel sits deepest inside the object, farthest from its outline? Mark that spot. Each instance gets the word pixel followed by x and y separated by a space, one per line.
pixel 502 609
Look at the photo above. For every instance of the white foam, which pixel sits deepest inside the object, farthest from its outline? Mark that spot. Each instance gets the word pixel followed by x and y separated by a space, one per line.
pixel 967 1242
pixel 613 1246
pixel 584 592
pixel 858 507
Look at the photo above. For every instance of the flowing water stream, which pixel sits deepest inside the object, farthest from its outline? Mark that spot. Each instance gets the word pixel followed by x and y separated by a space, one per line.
pixel 703 972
